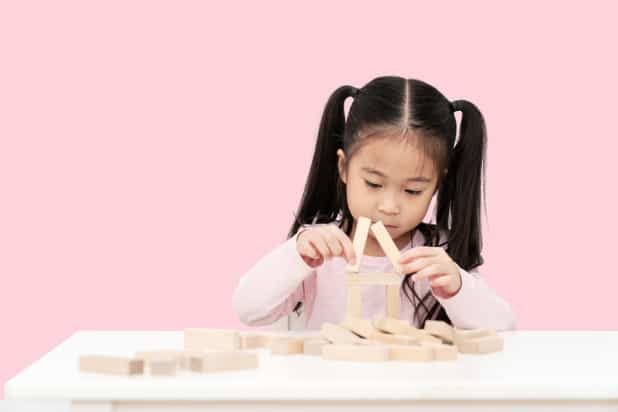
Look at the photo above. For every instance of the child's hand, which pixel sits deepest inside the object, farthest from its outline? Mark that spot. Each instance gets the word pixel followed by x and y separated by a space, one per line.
pixel 435 264
pixel 322 242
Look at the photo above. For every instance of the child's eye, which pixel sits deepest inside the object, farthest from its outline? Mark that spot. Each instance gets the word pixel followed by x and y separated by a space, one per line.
pixel 372 185
pixel 375 186
pixel 414 192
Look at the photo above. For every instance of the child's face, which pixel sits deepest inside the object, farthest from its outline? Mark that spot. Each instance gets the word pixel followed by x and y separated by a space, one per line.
pixel 395 200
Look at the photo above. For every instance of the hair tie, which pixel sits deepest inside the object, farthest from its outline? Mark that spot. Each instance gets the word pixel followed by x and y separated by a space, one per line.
pixel 355 92
pixel 456 105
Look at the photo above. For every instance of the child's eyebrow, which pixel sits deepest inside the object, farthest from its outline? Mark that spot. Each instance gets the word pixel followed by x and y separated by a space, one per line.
pixel 410 179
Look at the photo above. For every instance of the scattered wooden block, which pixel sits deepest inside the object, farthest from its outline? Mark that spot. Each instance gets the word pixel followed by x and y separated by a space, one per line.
pixel 485 344
pixel 286 346
pixel 373 278
pixel 355 353
pixel 200 339
pixel 441 352
pixel 461 334
pixel 359 241
pixel 387 244
pixel 224 361
pixel 163 367
pixel 440 329
pixel 403 328
pixel 365 328
pixel 313 347
pixel 253 341
pixel 339 334
pixel 410 353
pixel 116 365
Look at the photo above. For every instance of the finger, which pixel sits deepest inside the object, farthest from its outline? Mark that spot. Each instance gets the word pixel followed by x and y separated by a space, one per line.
pixel 320 244
pixel 418 251
pixel 418 264
pixel 331 241
pixel 307 249
pixel 345 242
pixel 441 281
pixel 433 269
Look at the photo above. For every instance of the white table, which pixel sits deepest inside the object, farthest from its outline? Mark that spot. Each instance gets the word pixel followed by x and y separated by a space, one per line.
pixel 537 370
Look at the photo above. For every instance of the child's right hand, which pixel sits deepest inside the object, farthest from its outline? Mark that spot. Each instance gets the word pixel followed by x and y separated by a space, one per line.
pixel 323 241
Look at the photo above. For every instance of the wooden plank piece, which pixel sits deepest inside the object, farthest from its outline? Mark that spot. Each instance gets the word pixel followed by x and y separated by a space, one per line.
pixel 355 353
pixel 221 361
pixel 387 244
pixel 359 241
pixel 115 365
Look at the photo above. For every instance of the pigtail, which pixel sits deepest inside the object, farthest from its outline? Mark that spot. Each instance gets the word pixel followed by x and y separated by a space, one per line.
pixel 459 198
pixel 323 195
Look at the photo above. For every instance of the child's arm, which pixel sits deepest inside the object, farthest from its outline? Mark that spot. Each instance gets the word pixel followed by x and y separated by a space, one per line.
pixel 477 306
pixel 273 286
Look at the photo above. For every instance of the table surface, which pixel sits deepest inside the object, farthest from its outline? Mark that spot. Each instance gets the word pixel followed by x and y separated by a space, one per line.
pixel 535 365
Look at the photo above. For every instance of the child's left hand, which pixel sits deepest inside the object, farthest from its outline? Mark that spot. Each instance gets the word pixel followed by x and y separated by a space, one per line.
pixel 435 264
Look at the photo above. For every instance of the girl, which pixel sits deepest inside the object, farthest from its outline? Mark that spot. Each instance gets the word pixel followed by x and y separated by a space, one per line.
pixel 395 150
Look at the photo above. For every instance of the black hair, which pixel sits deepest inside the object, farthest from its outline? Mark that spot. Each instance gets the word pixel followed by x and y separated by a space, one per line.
pixel 391 102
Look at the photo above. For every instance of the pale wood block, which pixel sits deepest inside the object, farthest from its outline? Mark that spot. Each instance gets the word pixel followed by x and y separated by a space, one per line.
pixel 410 353
pixel 365 328
pixel 153 355
pixel 440 329
pixel 359 241
pixel 339 334
pixel 286 346
pixel 221 339
pixel 115 365
pixel 387 244
pixel 253 341
pixel 485 344
pixel 355 353
pixel 224 361
pixel 163 367
pixel 465 334
pixel 403 328
pixel 373 278
pixel 313 347
pixel 393 301
pixel 441 352
pixel 354 301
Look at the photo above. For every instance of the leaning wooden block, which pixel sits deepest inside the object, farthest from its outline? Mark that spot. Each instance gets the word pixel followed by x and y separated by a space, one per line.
pixel 200 339
pixel 441 352
pixel 163 367
pixel 440 329
pixel 339 334
pixel 355 353
pixel 359 241
pixel 224 361
pixel 116 365
pixel 365 328
pixel 387 244
pixel 465 334
pixel 485 344
pixel 313 347
pixel 286 346
pixel 410 353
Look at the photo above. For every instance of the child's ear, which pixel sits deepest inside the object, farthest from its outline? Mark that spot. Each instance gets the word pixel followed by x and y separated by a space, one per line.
pixel 341 161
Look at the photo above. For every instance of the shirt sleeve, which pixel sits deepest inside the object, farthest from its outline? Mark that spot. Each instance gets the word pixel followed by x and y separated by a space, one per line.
pixel 273 286
pixel 477 306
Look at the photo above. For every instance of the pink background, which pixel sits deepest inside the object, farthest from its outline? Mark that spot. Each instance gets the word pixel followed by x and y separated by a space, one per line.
pixel 151 152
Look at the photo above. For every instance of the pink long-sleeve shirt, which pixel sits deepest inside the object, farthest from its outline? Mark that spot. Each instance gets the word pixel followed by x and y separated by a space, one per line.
pixel 272 288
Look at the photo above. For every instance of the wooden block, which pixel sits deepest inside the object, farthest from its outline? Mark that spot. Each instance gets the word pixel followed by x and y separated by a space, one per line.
pixel 354 301
pixel 465 334
pixel 163 367
pixel 441 352
pixel 253 341
pixel 355 353
pixel 393 301
pixel 373 278
pixel 200 339
pixel 116 365
pixel 485 344
pixel 403 328
pixel 387 244
pixel 313 347
pixel 338 334
pixel 224 361
pixel 440 329
pixel 286 346
pixel 359 241
pixel 410 353
pixel 365 328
